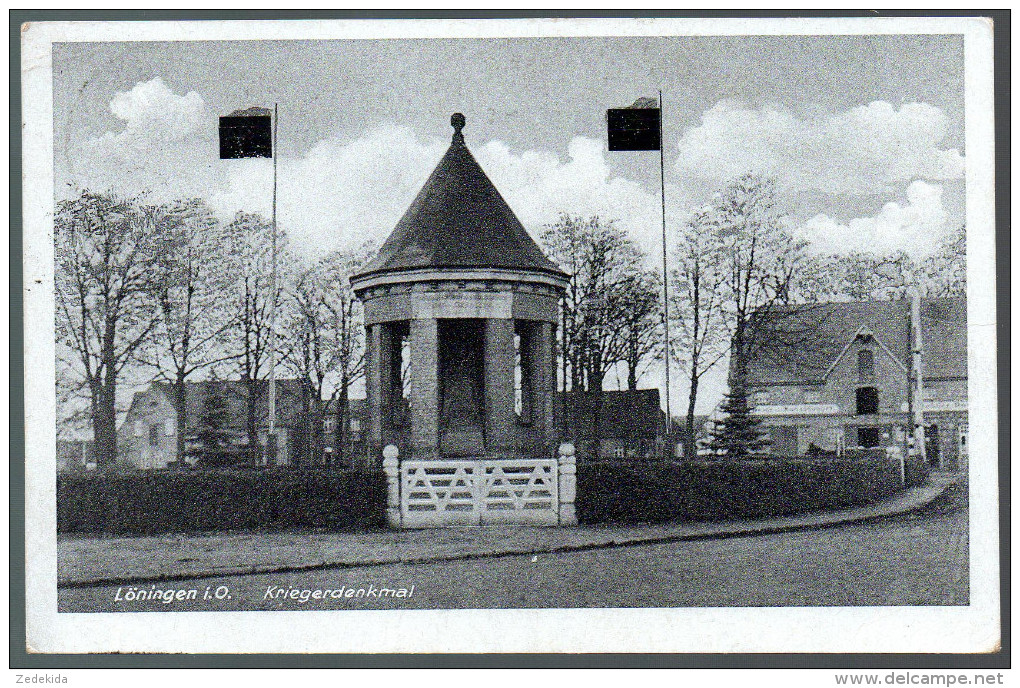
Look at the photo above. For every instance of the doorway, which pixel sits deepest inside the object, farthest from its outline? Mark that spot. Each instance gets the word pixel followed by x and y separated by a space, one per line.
pixel 461 387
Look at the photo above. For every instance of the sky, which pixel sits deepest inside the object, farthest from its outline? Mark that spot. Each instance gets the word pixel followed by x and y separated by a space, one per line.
pixel 864 135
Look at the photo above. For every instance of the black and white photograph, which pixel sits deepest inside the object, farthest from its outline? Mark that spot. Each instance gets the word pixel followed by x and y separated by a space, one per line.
pixel 511 336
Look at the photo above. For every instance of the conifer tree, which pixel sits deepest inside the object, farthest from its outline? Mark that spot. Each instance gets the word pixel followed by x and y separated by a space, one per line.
pixel 739 434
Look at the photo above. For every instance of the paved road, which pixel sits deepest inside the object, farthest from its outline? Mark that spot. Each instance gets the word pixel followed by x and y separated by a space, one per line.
pixel 916 560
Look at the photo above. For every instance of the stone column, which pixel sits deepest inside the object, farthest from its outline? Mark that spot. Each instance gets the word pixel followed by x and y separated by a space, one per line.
pixel 374 388
pixel 424 344
pixel 499 386
pixel 543 380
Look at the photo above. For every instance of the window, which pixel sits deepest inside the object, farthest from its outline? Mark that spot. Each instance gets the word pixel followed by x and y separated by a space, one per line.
pixel 154 435
pixel 170 427
pixel 329 424
pixel 867 437
pixel 867 401
pixel 355 426
pixel 865 364
pixel 139 428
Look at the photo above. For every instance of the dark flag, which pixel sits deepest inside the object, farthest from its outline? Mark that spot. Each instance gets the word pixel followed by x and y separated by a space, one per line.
pixel 247 134
pixel 635 128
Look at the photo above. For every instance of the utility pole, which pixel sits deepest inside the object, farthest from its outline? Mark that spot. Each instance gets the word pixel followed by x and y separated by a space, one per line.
pixel 271 448
pixel 916 396
pixel 665 279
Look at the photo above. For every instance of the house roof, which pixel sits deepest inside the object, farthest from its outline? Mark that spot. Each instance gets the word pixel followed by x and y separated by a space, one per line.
pixel 459 220
pixel 802 342
pixel 290 399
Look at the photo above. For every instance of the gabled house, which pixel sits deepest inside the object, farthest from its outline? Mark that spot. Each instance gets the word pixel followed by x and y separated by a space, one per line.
pixel 831 376
pixel 148 437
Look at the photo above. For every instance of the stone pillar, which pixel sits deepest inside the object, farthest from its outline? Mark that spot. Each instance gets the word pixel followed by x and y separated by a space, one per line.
pixel 391 467
pixel 499 386
pixel 567 485
pixel 543 380
pixel 374 388
pixel 424 345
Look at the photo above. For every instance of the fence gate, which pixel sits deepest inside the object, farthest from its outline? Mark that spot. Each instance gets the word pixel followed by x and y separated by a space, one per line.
pixel 478 492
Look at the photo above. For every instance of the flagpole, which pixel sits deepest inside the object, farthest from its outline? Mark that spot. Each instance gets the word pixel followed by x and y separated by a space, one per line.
pixel 271 440
pixel 665 272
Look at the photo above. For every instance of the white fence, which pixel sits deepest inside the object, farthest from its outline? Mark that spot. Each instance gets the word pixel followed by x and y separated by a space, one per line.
pixel 431 493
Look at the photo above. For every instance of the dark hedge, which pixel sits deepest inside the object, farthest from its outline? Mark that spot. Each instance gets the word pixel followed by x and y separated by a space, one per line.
pixel 149 503
pixel 620 492
pixel 155 502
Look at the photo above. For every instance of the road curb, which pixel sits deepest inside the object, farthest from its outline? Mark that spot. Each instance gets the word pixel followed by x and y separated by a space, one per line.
pixel 503 553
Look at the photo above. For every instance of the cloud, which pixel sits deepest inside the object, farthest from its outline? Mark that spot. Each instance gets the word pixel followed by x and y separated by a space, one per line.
pixel 869 149
pixel 539 186
pixel 167 148
pixel 914 227
pixel 152 108
pixel 338 194
pixel 341 192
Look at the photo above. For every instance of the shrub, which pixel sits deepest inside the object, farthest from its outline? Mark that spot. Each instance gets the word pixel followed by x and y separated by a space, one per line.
pixel 156 502
pixel 618 492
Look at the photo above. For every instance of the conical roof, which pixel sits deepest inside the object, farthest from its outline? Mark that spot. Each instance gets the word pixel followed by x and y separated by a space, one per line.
pixel 459 220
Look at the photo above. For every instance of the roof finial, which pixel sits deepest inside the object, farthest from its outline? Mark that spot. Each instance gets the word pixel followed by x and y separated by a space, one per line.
pixel 457 121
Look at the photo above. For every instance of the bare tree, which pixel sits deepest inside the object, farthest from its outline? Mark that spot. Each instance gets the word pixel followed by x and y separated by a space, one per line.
pixel 606 312
pixel 945 271
pixel 326 346
pixel 191 313
pixel 248 239
pixel 700 332
pixel 108 254
pixel 640 326
pixel 863 275
pixel 761 263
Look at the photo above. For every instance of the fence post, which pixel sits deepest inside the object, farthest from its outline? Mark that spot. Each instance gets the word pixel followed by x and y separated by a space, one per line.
pixel 391 467
pixel 567 484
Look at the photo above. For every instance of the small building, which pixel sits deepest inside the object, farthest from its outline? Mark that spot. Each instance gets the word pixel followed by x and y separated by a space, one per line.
pixel 631 424
pixel 827 377
pixel 148 437
pixel 355 450
pixel 75 455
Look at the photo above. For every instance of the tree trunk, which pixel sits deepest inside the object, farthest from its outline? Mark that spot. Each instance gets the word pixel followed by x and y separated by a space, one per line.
pixel 632 364
pixel 104 425
pixel 181 406
pixel 342 408
pixel 253 423
pixel 690 440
